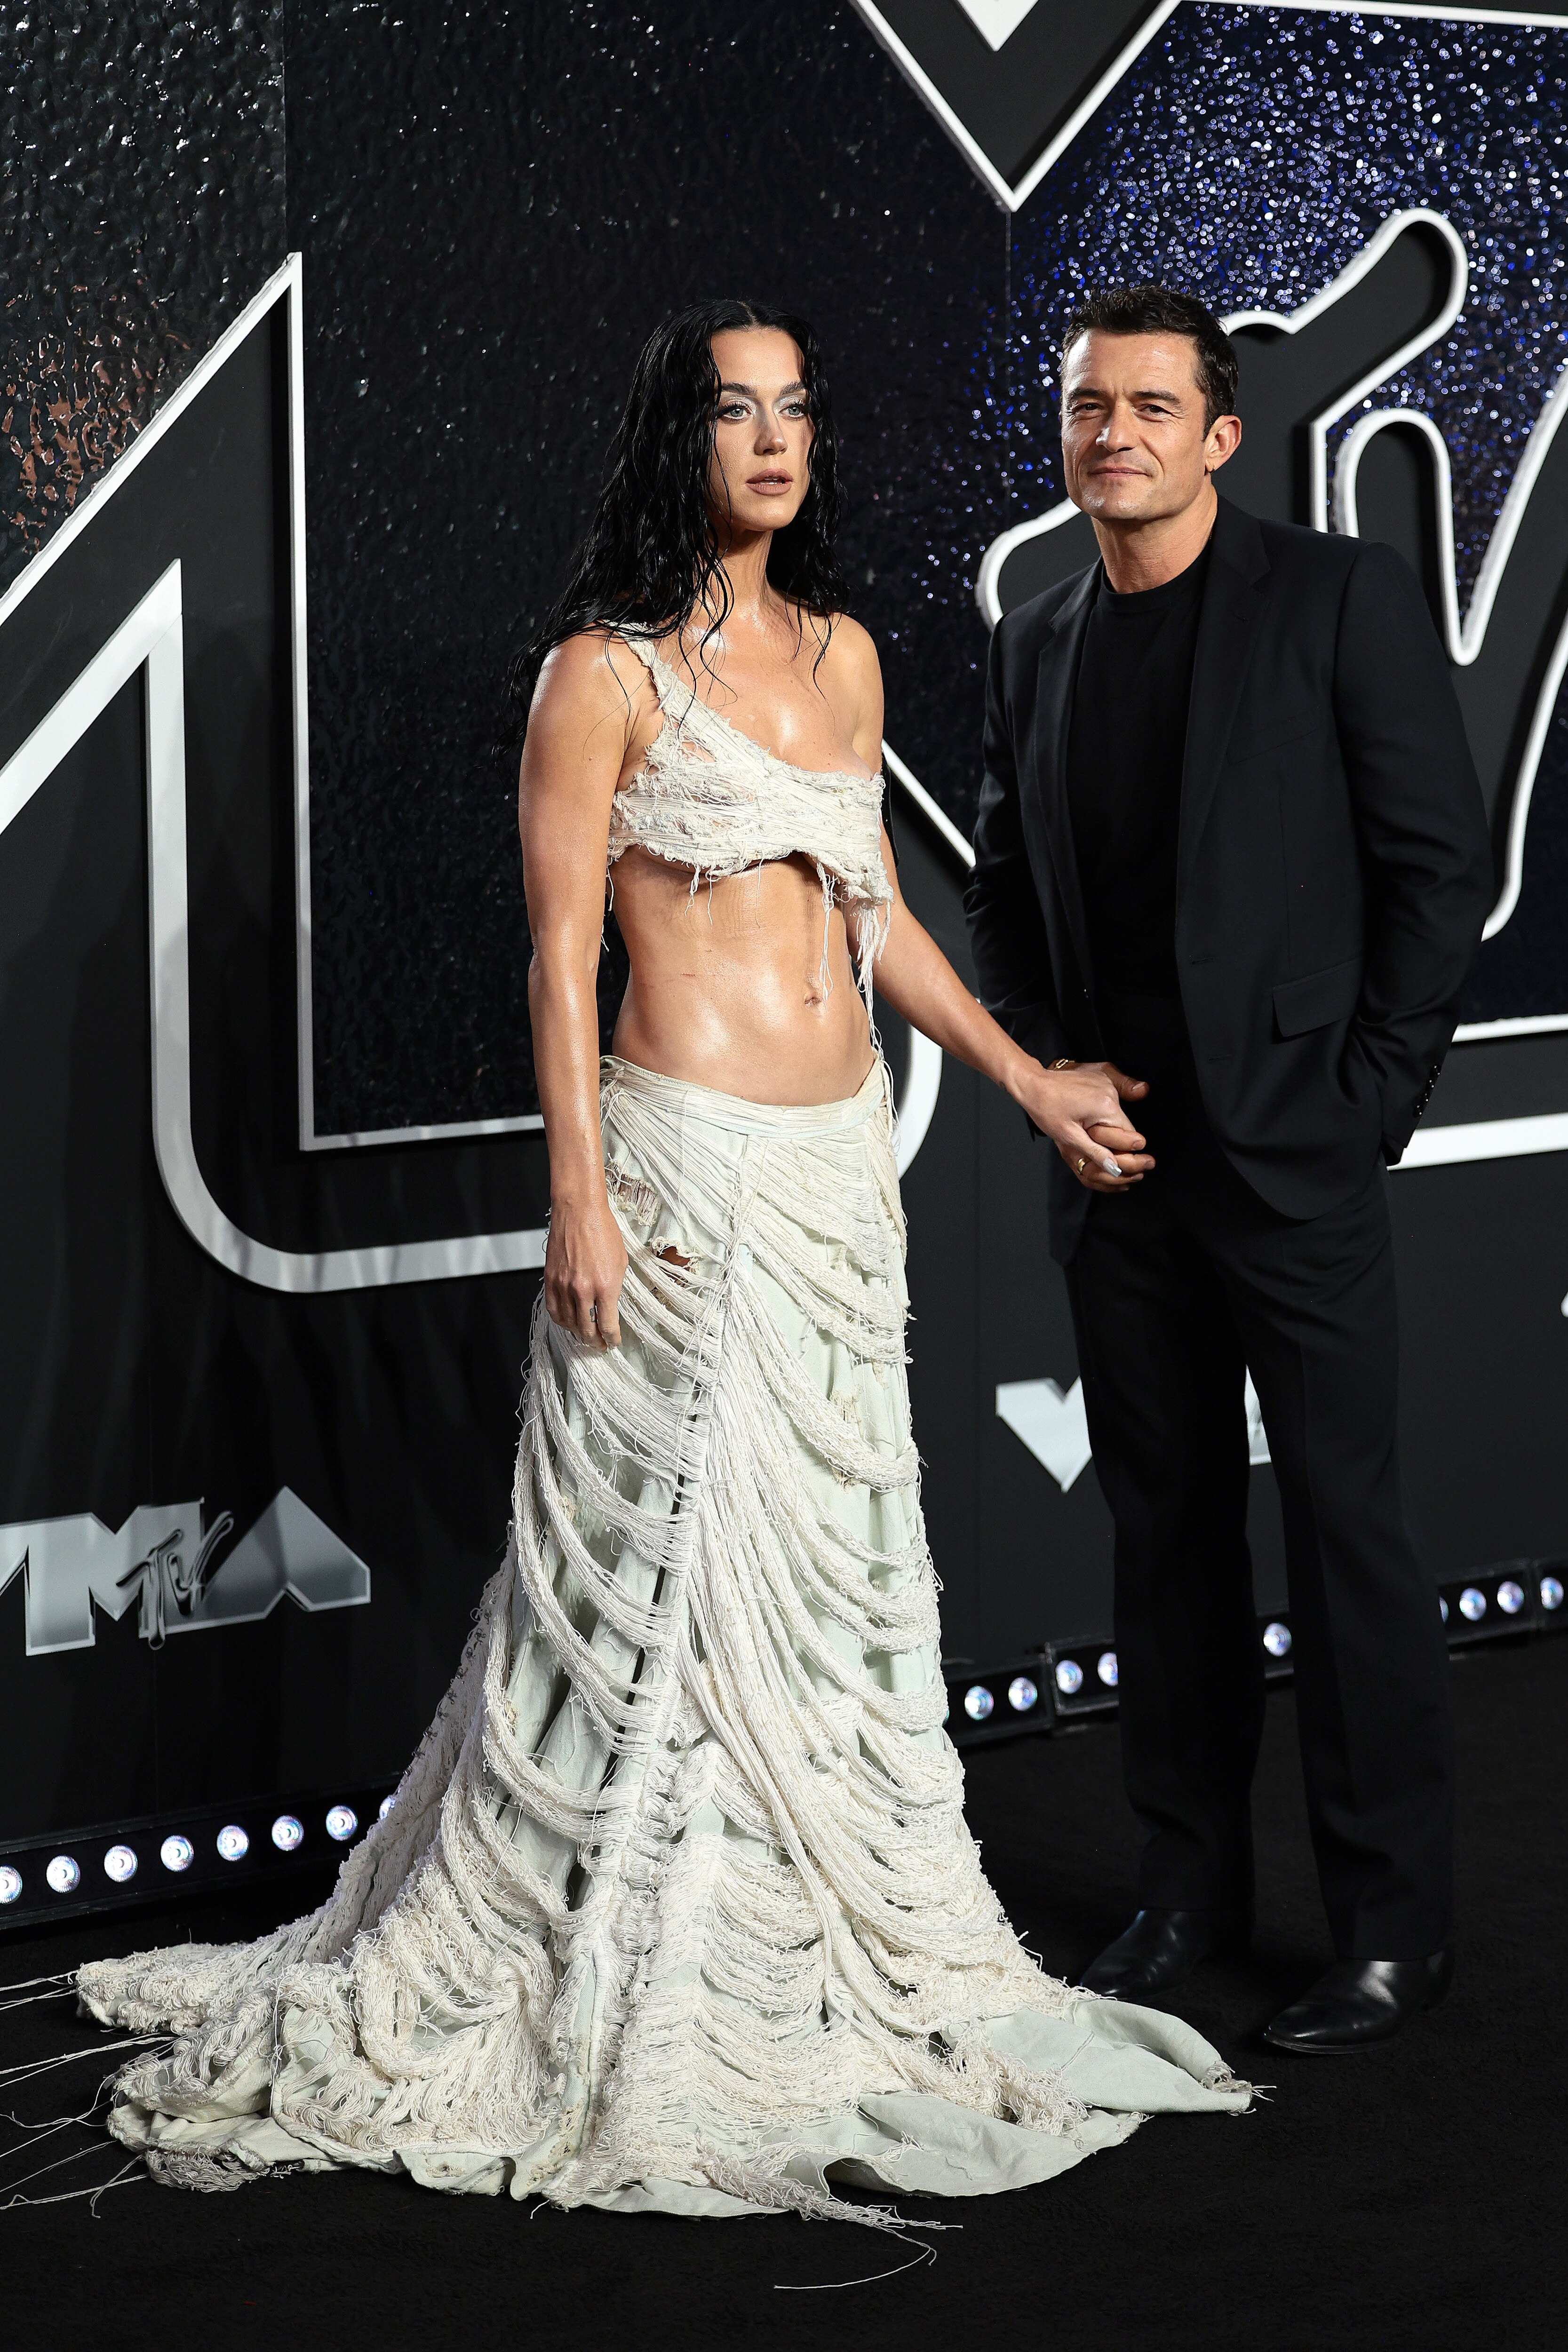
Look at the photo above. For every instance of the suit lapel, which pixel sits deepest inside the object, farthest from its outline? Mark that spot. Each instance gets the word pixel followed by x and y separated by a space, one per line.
pixel 1057 674
pixel 1228 623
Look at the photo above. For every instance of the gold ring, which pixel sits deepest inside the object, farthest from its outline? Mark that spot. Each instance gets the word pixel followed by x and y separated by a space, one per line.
pixel 1082 1163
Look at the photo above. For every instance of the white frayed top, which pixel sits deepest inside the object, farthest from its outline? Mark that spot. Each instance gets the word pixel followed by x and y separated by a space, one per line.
pixel 710 797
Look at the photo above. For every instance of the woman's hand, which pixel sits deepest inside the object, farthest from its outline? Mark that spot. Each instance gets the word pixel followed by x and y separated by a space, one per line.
pixel 584 1266
pixel 1080 1109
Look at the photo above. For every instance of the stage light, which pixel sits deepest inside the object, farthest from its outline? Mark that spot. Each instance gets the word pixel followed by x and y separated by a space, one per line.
pixel 341 1822
pixel 1276 1639
pixel 177 1853
pixel 1472 1604
pixel 1551 1593
pixel 287 1832
pixel 232 1845
pixel 1442 1609
pixel 977 1702
pixel 10 1883
pixel 387 1802
pixel 1510 1597
pixel 63 1873
pixel 1069 1677
pixel 1107 1668
pixel 120 1862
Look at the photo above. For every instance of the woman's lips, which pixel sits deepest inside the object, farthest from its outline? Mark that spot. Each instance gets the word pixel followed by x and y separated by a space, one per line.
pixel 770 485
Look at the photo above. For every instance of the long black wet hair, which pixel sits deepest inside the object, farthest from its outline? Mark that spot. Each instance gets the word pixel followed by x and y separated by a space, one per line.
pixel 651 555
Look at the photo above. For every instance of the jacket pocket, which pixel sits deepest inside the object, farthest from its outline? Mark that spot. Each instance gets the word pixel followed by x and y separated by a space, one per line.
pixel 1320 997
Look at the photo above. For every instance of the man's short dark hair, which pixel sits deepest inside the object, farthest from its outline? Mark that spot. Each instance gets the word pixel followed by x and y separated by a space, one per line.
pixel 1155 310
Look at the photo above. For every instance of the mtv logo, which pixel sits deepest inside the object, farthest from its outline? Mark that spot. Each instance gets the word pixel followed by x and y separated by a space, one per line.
pixel 164 1558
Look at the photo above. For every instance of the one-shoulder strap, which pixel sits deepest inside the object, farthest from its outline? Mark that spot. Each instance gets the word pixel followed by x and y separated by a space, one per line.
pixel 665 680
pixel 689 715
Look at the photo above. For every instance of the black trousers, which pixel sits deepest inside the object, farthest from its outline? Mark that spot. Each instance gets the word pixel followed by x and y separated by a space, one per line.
pixel 1177 1288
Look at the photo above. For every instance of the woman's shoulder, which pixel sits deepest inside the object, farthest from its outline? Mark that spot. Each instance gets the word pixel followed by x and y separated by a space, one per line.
pixel 854 677
pixel 847 637
pixel 595 663
pixel 848 651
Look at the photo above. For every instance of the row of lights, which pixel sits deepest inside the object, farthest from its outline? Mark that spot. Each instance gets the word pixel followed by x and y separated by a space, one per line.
pixel 1023 1691
pixel 979 1700
pixel 1510 1598
pixel 1023 1695
pixel 121 1864
pixel 1070 1674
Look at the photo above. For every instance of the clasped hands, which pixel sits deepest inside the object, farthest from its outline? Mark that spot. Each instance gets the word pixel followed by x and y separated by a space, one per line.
pixel 1080 1108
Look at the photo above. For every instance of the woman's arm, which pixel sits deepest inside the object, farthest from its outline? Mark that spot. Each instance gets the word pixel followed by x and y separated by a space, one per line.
pixel 915 979
pixel 582 720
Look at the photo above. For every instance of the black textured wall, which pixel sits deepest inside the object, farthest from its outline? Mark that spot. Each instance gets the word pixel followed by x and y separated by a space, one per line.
pixel 141 207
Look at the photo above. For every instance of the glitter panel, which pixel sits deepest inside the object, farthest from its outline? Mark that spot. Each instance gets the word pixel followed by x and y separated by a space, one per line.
pixel 141 207
pixel 1250 154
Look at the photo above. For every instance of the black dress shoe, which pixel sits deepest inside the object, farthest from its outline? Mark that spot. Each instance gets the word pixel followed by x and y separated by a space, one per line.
pixel 1162 1949
pixel 1358 2002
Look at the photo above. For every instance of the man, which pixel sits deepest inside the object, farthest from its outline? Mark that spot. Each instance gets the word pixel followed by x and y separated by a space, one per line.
pixel 1231 839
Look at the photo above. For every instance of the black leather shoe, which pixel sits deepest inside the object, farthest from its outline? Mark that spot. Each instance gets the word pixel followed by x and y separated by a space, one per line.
pixel 1162 1949
pixel 1358 2002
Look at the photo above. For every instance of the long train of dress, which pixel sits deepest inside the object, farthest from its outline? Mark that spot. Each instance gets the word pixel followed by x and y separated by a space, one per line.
pixel 676 1906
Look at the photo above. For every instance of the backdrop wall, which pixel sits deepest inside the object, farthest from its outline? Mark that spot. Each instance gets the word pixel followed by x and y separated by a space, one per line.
pixel 270 1214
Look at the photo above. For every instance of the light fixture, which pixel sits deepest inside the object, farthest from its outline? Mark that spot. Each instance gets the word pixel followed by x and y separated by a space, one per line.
pixel 341 1822
pixel 287 1832
pixel 1551 1593
pixel 233 1845
pixel 1510 1597
pixel 63 1873
pixel 10 1883
pixel 1022 1693
pixel 1442 1609
pixel 387 1802
pixel 1276 1639
pixel 1069 1677
pixel 177 1853
pixel 1106 1667
pixel 977 1702
pixel 1472 1604
pixel 120 1864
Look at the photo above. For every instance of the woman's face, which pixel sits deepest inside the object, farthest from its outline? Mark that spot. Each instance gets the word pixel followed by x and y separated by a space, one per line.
pixel 761 467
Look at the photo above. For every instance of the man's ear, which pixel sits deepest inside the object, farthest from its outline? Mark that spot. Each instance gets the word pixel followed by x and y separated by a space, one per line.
pixel 1223 442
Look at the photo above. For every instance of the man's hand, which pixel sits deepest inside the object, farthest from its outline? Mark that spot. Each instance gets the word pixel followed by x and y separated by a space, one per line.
pixel 1080 1109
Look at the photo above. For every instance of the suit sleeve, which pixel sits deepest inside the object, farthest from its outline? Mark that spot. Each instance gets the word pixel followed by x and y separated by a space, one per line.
pixel 1423 833
pixel 1007 928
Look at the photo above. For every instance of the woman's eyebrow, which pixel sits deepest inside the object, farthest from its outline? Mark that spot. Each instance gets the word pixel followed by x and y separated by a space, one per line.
pixel 751 393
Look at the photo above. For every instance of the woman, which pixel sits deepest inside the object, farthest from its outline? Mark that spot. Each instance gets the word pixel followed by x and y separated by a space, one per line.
pixel 676 1907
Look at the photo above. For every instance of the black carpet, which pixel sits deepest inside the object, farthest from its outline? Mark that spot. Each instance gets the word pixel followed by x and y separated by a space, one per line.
pixel 1406 2197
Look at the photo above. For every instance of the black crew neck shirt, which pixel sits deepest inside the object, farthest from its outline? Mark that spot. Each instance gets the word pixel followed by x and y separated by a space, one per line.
pixel 1125 747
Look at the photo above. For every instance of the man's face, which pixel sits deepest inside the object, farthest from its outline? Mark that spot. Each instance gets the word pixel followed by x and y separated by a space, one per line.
pixel 1135 444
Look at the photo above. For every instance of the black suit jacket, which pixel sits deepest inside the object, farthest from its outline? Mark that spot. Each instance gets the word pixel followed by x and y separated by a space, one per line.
pixel 1333 870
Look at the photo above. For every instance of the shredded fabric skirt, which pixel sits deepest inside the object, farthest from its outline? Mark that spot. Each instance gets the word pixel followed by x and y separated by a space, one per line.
pixel 676 1909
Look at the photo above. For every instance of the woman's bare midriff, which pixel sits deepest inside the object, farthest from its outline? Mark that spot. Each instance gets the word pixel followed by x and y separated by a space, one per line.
pixel 727 988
